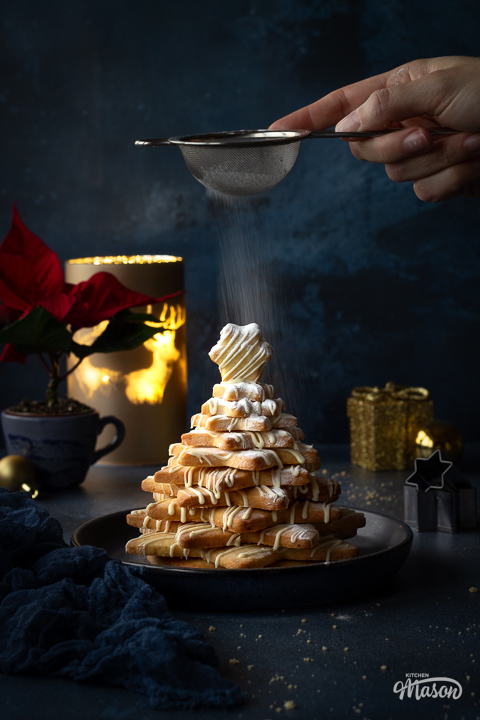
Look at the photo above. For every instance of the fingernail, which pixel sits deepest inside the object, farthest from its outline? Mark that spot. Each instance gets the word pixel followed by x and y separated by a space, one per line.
pixel 416 141
pixel 472 143
pixel 351 123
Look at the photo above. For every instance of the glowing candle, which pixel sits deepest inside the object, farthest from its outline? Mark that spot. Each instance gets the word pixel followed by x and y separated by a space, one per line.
pixel 146 388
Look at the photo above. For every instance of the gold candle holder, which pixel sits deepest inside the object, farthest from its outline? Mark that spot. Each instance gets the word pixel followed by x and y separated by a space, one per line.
pixel 147 387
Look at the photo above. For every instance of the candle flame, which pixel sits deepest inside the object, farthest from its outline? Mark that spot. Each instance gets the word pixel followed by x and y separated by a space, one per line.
pixel 145 386
pixel 125 260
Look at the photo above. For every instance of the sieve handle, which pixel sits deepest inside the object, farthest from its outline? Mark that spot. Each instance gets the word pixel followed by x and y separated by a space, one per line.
pixel 154 142
pixel 373 133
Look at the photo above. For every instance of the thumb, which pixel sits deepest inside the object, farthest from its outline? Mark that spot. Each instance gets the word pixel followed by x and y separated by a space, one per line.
pixel 429 95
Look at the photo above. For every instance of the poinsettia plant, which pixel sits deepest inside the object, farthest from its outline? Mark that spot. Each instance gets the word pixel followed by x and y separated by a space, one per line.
pixel 40 312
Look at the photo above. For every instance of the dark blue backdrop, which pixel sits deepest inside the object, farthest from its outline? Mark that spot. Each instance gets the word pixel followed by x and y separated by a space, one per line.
pixel 363 283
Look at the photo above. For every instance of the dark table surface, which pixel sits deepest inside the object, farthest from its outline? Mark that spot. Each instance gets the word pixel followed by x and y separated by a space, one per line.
pixel 339 661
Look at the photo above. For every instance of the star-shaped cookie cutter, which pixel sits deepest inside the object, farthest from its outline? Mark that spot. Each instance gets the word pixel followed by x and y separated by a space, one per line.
pixel 429 473
pixel 434 501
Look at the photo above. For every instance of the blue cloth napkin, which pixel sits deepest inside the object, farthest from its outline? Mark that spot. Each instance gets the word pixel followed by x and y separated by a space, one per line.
pixel 74 612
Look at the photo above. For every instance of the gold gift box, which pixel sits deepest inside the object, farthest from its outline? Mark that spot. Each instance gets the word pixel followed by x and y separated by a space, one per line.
pixel 384 423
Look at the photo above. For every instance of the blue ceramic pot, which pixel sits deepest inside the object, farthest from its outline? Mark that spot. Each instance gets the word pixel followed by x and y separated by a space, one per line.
pixel 61 447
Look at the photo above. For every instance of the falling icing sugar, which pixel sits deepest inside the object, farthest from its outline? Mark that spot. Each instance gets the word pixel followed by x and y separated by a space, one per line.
pixel 250 286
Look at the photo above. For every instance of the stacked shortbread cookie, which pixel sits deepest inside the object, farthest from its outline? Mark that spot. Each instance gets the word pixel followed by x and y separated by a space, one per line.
pixel 240 491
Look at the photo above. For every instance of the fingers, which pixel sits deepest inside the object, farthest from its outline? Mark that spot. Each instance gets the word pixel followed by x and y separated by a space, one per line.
pixel 428 95
pixel 376 90
pixel 458 179
pixel 330 109
pixel 395 147
pixel 333 107
pixel 404 152
pixel 444 154
pixel 440 168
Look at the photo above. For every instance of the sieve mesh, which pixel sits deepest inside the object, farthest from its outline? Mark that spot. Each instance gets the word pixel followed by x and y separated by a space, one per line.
pixel 240 169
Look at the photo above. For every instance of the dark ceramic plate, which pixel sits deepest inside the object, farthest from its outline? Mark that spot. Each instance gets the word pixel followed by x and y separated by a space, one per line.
pixel 384 544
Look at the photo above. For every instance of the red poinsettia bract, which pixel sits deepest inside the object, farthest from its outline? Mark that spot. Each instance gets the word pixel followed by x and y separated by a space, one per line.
pixel 31 276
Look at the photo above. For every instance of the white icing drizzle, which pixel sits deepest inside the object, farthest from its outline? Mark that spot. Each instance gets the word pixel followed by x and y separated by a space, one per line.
pixel 276 476
pixel 271 492
pixel 239 438
pixel 262 537
pixel 297 455
pixel 271 406
pixel 199 494
pixel 292 512
pixel 251 390
pixel 268 390
pixel 252 551
pixel 259 440
pixel 301 532
pixel 326 511
pixel 191 529
pixel 270 457
pixel 279 532
pixel 209 514
pixel 241 353
pixel 188 476
pixel 213 406
pixel 151 506
pixel 228 516
pixel 330 544
pixel 202 455
pixel 300 489
pixel 150 538
pixel 220 555
pixel 168 490
pixel 231 390
pixel 211 479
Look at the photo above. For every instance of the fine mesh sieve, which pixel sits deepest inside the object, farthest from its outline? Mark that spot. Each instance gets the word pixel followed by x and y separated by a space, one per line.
pixel 248 162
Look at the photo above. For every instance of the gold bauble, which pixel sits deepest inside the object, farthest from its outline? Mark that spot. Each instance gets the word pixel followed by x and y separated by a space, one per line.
pixel 17 473
pixel 439 435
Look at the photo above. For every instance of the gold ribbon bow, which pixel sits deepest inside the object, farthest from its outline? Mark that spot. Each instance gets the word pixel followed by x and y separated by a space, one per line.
pixel 391 391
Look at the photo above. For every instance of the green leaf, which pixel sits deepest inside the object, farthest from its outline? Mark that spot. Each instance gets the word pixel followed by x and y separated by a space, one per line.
pixel 120 334
pixel 37 332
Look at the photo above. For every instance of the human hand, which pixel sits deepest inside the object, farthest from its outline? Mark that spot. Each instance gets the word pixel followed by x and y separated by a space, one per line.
pixel 437 92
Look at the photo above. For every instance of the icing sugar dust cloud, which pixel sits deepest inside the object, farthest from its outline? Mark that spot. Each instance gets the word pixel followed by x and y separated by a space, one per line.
pixel 250 287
